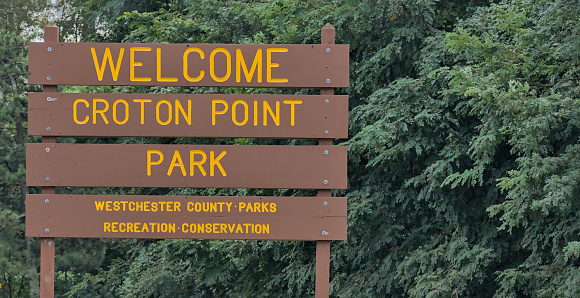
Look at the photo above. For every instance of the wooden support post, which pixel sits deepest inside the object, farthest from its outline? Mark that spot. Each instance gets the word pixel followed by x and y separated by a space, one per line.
pixel 47 244
pixel 322 287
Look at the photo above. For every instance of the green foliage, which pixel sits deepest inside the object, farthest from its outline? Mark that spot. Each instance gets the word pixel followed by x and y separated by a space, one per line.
pixel 13 255
pixel 464 157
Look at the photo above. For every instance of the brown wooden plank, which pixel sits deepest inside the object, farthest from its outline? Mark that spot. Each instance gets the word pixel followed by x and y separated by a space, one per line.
pixel 126 165
pixel 310 66
pixel 279 218
pixel 322 283
pixel 47 245
pixel 187 115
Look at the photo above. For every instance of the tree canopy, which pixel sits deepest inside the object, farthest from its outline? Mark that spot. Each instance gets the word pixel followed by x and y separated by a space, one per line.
pixel 463 155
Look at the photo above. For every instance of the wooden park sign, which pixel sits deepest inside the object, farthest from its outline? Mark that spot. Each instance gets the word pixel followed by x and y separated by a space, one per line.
pixel 147 165
pixel 188 115
pixel 53 114
pixel 307 66
pixel 263 218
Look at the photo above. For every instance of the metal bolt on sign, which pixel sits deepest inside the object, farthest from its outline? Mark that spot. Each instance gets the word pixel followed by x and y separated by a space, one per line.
pixel 46 201
pixel 327 81
pixel 325 204
pixel 325 152
pixel 46 230
pixel 48 78
pixel 47 149
pixel 325 181
pixel 326 101
pixel 48 129
pixel 328 50
pixel 49 49
pixel 47 179
pixel 323 233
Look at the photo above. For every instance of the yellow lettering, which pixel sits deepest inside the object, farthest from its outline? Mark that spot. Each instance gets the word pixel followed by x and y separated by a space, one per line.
pixel 107 57
pixel 272 207
pixel 114 227
pixel 241 65
pixel 176 161
pixel 179 108
pixel 177 206
pixel 216 161
pixel 130 227
pixel 270 65
pixel 106 227
pixel 154 206
pixel 159 78
pixel 150 162
pixel 292 109
pixel 99 205
pixel 215 112
pixel 116 206
pixel 255 113
pixel 185 65
pixel 77 121
pixel 234 118
pixel 101 112
pixel 135 64
pixel 122 227
pixel 268 110
pixel 266 228
pixel 142 101
pixel 212 65
pixel 169 115
pixel 193 162
pixel 115 111
pixel 108 206
pixel 189 206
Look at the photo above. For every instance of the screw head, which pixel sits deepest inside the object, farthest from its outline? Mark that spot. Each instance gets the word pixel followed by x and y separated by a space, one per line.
pixel 47 149
pixel 326 101
pixel 49 49
pixel 325 204
pixel 327 81
pixel 323 233
pixel 325 181
pixel 328 50
pixel 325 152
pixel 48 78
pixel 46 230
pixel 48 129
pixel 326 132
pixel 49 99
pixel 46 201
pixel 47 179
